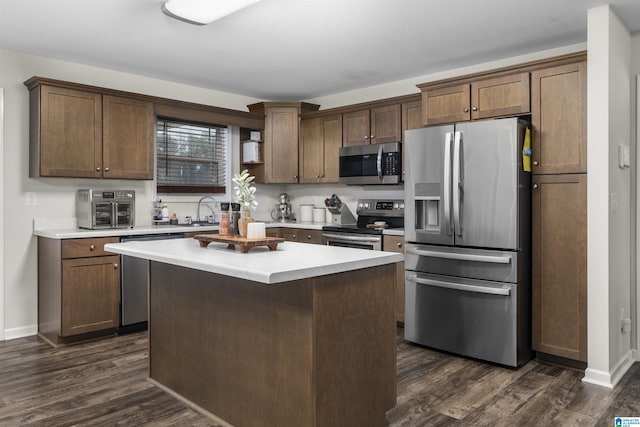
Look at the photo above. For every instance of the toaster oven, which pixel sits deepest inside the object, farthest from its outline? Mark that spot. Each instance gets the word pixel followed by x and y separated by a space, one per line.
pixel 98 209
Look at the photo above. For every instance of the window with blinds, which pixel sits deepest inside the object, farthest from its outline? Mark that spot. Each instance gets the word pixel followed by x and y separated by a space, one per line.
pixel 190 157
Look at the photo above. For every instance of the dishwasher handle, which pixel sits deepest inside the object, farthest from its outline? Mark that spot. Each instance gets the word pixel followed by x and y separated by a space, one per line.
pixel 461 286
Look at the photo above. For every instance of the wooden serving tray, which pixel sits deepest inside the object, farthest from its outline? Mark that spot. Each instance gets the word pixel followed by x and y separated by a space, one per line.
pixel 233 241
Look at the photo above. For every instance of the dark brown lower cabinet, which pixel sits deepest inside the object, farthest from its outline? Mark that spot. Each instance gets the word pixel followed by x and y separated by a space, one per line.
pixel 78 289
pixel 559 246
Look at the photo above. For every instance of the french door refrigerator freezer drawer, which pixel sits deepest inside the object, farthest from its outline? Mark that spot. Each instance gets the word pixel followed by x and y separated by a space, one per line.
pixel 474 318
pixel 485 264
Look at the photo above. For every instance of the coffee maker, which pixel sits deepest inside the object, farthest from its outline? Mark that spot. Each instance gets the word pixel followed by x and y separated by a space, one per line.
pixel 283 212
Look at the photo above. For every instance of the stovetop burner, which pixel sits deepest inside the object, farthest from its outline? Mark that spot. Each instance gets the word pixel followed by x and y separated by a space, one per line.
pixel 371 211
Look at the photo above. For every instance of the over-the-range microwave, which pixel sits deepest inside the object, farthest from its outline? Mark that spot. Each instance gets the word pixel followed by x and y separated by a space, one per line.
pixel 371 164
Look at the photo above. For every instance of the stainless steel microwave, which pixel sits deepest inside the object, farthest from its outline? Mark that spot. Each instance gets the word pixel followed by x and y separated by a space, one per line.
pixel 105 209
pixel 371 164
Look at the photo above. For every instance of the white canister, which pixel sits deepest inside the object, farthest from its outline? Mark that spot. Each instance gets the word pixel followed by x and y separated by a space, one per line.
pixel 319 215
pixel 306 213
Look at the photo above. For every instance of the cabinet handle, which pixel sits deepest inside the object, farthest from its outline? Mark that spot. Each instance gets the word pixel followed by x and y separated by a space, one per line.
pixel 98 169
pixel 115 266
pixel 474 108
pixel 399 244
pixel 106 169
pixel 535 163
pixel 309 237
pixel 366 137
pixel 295 237
pixel 466 110
pixel 295 176
pixel 372 136
pixel 92 247
pixel 317 176
pixel 535 186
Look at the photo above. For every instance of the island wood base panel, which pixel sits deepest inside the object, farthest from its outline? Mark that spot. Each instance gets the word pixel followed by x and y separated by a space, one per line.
pixel 312 352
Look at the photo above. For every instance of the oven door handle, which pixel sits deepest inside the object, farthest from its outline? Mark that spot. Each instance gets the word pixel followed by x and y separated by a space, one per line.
pixel 342 237
pixel 461 286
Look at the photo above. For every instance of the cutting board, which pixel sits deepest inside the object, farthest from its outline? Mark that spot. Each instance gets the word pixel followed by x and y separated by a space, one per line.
pixel 233 241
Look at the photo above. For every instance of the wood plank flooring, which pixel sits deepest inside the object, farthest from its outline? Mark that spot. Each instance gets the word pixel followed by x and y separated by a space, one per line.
pixel 103 383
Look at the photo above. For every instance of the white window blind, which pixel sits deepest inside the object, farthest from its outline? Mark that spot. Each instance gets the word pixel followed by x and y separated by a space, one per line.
pixel 190 157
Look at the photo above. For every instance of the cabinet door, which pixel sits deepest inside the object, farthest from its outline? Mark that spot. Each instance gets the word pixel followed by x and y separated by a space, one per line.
pixel 386 124
pixel 356 128
pixel 446 105
pixel 411 116
pixel 558 115
pixel 128 148
pixel 68 142
pixel 90 294
pixel 500 96
pixel 396 244
pixel 320 142
pixel 559 263
pixel 332 141
pixel 281 145
pixel 311 150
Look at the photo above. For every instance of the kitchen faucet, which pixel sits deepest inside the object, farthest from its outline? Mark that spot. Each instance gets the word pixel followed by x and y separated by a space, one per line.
pixel 212 212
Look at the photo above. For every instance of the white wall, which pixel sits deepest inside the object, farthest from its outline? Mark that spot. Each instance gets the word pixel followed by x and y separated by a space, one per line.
pixel 635 131
pixel 608 197
pixel 2 222
pixel 56 196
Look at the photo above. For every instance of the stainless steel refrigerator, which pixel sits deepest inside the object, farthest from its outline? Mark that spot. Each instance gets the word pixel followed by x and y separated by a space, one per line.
pixel 467 224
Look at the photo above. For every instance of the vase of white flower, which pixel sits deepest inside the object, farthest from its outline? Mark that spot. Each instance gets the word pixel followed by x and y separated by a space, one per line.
pixel 245 195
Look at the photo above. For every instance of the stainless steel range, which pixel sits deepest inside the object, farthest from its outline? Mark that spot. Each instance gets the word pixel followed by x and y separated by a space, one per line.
pixel 374 215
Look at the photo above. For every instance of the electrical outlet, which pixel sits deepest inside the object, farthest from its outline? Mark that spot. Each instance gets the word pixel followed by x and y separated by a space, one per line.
pixel 626 326
pixel 32 199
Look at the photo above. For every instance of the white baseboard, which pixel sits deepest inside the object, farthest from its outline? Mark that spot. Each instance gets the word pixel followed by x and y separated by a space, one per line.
pixel 609 379
pixel 21 332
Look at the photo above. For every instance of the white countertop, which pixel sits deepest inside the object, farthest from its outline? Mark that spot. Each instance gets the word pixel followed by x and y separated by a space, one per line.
pixel 79 233
pixel 291 261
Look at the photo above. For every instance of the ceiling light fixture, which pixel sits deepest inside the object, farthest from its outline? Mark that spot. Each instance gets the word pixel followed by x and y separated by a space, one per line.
pixel 202 12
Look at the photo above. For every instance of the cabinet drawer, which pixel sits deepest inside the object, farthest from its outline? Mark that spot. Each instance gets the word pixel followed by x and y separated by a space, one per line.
pixel 302 235
pixel 82 248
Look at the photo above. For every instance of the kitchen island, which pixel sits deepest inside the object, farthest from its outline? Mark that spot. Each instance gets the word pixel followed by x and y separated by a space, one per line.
pixel 300 336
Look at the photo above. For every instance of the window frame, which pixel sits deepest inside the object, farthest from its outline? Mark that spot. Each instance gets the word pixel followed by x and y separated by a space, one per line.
pixel 194 189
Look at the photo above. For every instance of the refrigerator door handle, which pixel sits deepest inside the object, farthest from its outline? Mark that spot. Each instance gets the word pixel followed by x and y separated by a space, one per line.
pixel 447 183
pixel 379 162
pixel 461 286
pixel 461 256
pixel 457 182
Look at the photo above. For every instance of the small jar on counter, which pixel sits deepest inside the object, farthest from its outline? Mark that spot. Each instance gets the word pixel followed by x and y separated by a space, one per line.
pixel 235 216
pixel 225 221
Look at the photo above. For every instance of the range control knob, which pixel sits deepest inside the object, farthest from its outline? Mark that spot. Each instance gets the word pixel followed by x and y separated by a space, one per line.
pixel 366 205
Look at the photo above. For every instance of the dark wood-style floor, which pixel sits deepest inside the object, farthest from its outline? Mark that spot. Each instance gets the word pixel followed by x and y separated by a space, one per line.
pixel 103 383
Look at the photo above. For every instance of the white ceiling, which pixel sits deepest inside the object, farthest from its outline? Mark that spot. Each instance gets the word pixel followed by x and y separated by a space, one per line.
pixel 298 49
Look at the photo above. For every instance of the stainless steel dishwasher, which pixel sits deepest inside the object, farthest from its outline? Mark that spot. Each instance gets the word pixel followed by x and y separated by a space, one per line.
pixel 134 283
